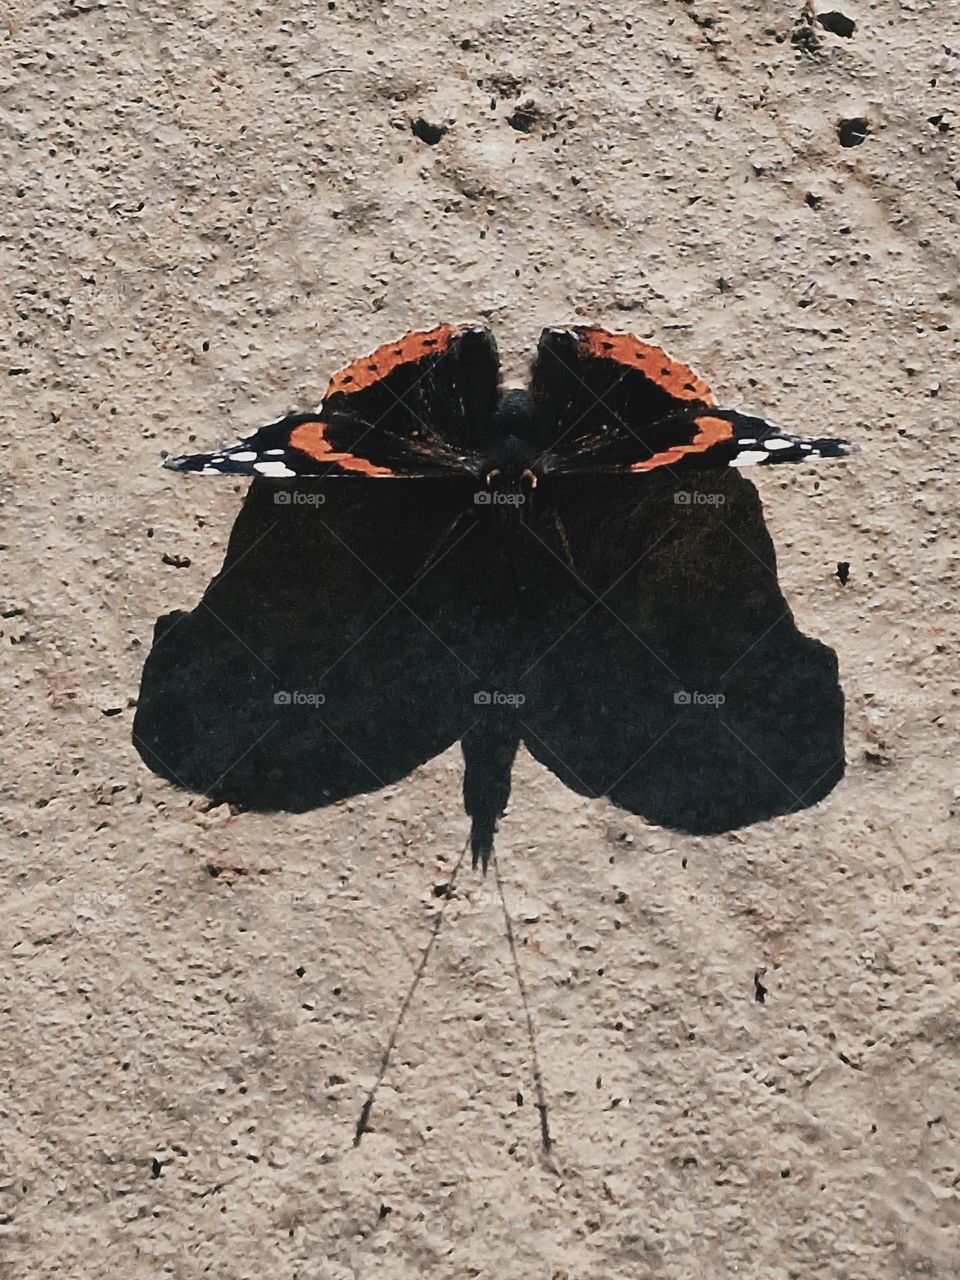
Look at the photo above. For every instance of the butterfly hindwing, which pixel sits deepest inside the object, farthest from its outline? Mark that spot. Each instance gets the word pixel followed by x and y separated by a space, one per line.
pixel 712 438
pixel 414 408
pixel 306 444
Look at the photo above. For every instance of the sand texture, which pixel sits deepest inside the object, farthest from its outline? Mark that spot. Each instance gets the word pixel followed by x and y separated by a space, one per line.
pixel 208 209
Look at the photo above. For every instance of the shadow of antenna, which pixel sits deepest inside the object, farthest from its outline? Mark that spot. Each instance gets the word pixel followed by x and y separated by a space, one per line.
pixel 365 1110
pixel 546 1141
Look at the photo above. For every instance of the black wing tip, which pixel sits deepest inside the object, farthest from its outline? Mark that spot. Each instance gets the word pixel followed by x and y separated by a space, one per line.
pixel 184 463
pixel 215 464
pixel 757 441
pixel 192 462
pixel 832 448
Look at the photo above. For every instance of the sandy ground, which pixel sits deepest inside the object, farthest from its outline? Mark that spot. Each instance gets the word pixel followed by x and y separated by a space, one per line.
pixel 203 218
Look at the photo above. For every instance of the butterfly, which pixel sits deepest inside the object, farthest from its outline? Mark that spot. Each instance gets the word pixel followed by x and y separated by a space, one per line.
pixel 663 672
pixel 431 405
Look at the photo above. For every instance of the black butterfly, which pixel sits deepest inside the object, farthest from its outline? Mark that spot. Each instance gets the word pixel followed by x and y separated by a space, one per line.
pixel 628 630
pixel 636 641
pixel 431 405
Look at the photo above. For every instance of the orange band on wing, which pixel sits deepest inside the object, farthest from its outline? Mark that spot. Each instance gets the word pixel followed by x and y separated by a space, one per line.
pixel 363 373
pixel 309 439
pixel 710 431
pixel 677 379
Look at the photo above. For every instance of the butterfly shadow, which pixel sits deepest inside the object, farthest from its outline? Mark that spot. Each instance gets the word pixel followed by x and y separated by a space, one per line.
pixel 631 633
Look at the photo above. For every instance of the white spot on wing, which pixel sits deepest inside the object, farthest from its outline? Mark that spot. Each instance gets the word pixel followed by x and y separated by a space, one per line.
pixel 775 442
pixel 749 457
pixel 272 469
pixel 243 455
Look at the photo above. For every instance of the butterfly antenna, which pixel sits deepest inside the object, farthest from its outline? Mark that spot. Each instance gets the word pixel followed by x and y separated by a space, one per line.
pixel 546 1141
pixel 367 1107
